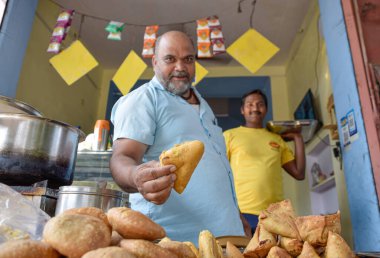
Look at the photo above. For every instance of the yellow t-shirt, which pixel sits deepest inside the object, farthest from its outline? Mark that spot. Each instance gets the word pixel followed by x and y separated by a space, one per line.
pixel 256 157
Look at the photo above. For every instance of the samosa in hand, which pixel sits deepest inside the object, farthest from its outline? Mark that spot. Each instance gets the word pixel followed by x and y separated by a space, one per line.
pixel 185 157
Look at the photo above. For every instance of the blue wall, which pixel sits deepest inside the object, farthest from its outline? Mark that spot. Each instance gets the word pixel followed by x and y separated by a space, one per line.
pixel 365 216
pixel 233 88
pixel 14 37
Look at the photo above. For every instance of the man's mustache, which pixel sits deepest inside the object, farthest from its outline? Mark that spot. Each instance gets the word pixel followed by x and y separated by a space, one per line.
pixel 179 74
pixel 255 112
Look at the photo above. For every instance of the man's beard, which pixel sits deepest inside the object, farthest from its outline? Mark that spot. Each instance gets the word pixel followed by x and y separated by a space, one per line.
pixel 179 87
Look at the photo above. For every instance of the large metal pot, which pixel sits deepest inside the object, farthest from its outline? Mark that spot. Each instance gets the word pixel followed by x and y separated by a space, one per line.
pixel 87 196
pixel 34 149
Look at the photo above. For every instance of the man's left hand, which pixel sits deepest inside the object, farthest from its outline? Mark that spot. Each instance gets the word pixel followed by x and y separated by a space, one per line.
pixel 290 136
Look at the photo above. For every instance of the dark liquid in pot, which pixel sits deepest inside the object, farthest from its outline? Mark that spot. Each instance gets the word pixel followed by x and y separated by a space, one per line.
pixel 26 169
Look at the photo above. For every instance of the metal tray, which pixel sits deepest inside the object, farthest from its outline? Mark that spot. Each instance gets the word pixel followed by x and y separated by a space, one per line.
pixel 306 127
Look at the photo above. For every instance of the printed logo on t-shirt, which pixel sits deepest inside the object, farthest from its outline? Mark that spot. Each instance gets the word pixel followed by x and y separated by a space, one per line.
pixel 274 145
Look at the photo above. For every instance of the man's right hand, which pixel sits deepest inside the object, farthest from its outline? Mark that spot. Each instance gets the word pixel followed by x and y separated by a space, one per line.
pixel 153 181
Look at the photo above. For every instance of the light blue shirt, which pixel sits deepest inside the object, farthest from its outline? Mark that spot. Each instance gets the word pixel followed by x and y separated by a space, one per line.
pixel 160 119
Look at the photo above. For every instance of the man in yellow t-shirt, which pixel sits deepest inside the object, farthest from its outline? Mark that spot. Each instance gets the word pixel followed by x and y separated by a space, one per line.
pixel 257 157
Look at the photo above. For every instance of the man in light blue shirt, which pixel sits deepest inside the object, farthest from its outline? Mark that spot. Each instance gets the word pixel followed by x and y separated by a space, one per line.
pixel 153 118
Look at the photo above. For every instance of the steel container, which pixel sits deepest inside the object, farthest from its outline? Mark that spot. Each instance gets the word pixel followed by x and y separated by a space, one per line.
pixel 86 196
pixel 34 149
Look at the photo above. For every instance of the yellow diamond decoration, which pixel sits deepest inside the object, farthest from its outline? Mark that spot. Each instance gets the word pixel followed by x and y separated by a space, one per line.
pixel 73 62
pixel 200 73
pixel 252 50
pixel 129 72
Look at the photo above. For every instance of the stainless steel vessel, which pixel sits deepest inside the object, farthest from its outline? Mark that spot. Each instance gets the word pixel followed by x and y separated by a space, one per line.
pixel 86 196
pixel 34 149
pixel 307 127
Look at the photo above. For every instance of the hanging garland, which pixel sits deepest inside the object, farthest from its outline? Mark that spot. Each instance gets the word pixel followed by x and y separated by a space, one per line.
pixel 210 40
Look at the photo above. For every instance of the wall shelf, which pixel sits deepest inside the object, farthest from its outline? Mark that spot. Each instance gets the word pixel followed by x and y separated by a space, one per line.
pixel 324 185
pixel 319 163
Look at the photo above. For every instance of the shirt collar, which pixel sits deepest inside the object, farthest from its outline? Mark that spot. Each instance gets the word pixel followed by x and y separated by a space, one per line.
pixel 156 84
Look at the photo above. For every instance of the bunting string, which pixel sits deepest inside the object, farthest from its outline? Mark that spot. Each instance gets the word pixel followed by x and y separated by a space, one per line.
pixel 127 23
pixel 210 37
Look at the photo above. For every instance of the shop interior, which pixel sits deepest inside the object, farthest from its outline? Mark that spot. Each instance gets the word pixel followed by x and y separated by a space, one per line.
pixel 298 77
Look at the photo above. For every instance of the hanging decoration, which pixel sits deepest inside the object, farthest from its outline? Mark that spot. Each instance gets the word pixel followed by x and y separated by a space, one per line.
pixel 60 30
pixel 129 72
pixel 252 50
pixel 114 28
pixel 210 37
pixel 200 73
pixel 203 39
pixel 216 36
pixel 73 62
pixel 210 40
pixel 150 37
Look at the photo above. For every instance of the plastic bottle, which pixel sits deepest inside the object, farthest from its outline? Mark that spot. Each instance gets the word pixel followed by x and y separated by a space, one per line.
pixel 101 134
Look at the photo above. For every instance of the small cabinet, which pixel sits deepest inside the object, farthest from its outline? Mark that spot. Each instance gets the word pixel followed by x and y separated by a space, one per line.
pixel 321 174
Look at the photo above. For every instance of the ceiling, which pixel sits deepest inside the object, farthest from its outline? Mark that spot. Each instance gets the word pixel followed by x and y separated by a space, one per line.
pixel 277 20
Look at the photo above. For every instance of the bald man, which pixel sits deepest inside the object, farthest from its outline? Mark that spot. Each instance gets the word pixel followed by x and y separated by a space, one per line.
pixel 159 114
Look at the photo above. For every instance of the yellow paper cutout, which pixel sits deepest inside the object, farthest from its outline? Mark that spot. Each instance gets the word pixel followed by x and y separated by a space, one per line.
pixel 73 62
pixel 129 72
pixel 252 50
pixel 200 73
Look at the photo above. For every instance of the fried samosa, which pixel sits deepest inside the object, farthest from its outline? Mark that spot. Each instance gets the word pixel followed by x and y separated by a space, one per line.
pixel 278 252
pixel 314 229
pixel 208 247
pixel 185 157
pixel 279 219
pixel 232 251
pixel 308 251
pixel 292 246
pixel 260 244
pixel 337 247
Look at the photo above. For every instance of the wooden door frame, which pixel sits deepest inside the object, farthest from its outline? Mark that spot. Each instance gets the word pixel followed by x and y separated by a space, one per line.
pixel 362 80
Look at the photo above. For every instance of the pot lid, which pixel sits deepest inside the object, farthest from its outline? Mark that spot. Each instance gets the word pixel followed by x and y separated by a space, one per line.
pixel 9 105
